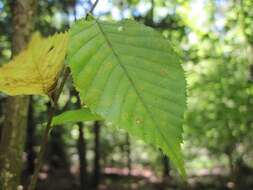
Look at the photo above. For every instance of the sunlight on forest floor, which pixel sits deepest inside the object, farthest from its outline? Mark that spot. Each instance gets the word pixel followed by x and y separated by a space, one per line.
pixel 142 179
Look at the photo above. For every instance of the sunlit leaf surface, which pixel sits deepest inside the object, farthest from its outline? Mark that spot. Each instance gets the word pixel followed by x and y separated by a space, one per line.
pixel 36 69
pixel 130 75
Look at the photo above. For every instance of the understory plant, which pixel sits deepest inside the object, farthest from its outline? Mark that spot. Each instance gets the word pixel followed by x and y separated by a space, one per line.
pixel 126 73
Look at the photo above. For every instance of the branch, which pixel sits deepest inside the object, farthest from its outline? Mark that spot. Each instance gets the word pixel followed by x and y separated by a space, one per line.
pixel 93 7
pixel 43 146
pixel 51 114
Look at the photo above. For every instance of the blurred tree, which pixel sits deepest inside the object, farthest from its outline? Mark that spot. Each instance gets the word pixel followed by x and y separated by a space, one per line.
pixel 128 154
pixel 81 147
pixel 247 20
pixel 16 108
pixel 213 37
pixel 30 139
pixel 57 157
pixel 97 158
pixel 166 166
pixel 219 105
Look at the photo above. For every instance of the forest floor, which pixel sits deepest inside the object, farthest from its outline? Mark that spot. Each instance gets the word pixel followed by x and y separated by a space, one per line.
pixel 117 179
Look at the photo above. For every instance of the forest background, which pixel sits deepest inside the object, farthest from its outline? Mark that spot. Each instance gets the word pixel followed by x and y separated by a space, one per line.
pixel 215 41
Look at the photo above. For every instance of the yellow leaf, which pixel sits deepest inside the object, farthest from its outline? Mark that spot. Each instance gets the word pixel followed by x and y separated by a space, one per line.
pixel 36 69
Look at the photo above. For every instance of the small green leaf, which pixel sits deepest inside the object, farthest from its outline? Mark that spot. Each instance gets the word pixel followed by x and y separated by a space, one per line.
pixel 79 115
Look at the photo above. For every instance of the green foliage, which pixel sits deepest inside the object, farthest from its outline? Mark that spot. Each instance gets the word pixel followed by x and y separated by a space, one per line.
pixel 130 75
pixel 247 12
pixel 213 35
pixel 79 115
pixel 220 107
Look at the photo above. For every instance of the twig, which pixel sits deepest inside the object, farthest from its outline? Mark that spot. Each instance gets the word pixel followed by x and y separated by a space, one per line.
pixel 43 146
pixel 93 6
pixel 92 9
pixel 51 113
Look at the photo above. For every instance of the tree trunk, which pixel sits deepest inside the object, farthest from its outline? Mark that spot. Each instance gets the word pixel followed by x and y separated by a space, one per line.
pixel 56 155
pixel 231 167
pixel 81 146
pixel 1 115
pixel 30 140
pixel 97 169
pixel 82 157
pixel 251 63
pixel 16 108
pixel 166 166
pixel 128 154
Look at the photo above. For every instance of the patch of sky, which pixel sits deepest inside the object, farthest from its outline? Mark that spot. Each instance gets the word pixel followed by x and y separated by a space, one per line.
pixel 1 6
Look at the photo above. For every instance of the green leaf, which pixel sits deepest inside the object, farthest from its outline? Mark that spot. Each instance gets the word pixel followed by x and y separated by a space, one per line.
pixel 79 115
pixel 130 75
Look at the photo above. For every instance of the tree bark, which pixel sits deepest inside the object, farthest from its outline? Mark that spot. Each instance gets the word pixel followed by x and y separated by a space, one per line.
pixel 97 168
pixel 16 108
pixel 81 147
pixel 251 64
pixel 55 154
pixel 82 157
pixel 128 155
pixel 166 166
pixel 30 140
pixel 1 115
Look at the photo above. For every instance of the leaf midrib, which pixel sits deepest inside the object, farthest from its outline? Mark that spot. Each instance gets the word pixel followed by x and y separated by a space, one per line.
pixel 41 78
